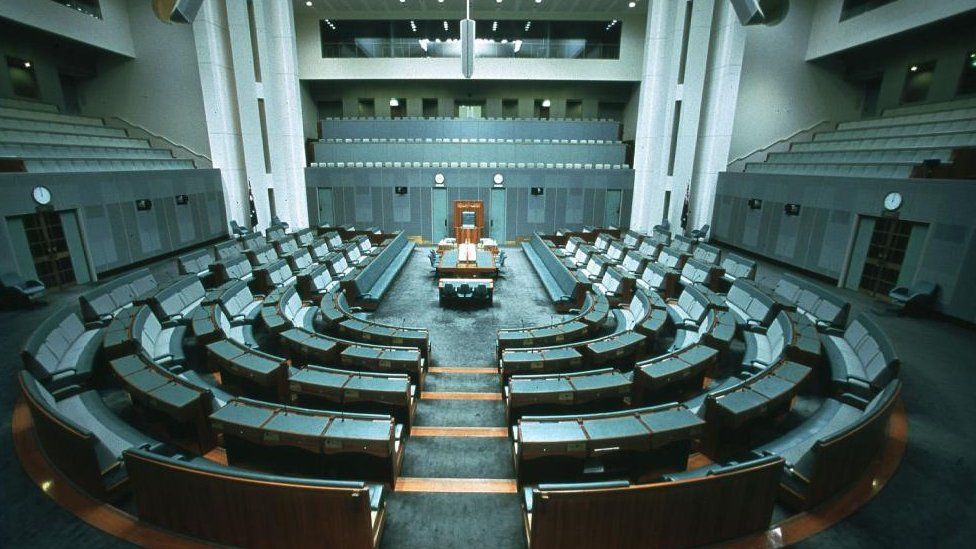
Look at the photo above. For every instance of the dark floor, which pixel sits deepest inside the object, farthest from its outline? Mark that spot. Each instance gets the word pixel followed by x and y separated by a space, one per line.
pixel 929 501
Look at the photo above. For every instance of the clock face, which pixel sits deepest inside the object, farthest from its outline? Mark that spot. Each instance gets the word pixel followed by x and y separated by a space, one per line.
pixel 892 202
pixel 439 178
pixel 498 179
pixel 42 195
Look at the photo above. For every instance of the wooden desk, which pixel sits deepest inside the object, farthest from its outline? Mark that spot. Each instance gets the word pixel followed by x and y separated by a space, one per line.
pixel 451 265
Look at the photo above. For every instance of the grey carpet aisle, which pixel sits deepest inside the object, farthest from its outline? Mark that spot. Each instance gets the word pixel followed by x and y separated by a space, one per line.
pixel 460 338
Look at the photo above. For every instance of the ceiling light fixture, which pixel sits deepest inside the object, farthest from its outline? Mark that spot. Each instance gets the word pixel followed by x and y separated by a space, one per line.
pixel 308 3
pixel 632 4
pixel 914 68
pixel 27 64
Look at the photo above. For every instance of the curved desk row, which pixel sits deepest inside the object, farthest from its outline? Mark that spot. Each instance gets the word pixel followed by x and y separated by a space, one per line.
pixel 621 444
pixel 298 440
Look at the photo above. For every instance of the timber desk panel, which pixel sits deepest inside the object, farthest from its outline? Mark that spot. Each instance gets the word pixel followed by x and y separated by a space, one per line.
pixel 681 513
pixel 578 392
pixel 338 315
pixel 290 440
pixel 590 318
pixel 675 374
pixel 254 371
pixel 157 392
pixel 306 347
pixel 234 507
pixel 614 445
pixel 315 386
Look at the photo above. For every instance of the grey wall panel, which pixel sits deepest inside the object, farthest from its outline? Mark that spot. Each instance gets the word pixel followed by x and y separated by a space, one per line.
pixel 114 236
pixel 830 207
pixel 470 184
pixel 101 245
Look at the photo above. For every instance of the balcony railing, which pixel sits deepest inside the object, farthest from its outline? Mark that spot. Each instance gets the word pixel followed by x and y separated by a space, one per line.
pixel 518 49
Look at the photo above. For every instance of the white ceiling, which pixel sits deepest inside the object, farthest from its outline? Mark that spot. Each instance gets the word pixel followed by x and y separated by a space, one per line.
pixel 394 9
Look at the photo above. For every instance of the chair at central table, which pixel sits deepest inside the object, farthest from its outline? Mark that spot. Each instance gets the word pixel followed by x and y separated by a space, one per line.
pixel 465 290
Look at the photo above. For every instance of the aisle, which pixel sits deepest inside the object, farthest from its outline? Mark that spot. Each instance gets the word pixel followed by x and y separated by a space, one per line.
pixel 457 484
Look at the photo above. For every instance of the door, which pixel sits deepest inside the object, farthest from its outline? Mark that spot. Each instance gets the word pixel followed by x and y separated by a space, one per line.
pixel 611 209
pixel 49 249
pixel 326 209
pixel 439 213
pixel 872 91
pixel 496 216
pixel 885 256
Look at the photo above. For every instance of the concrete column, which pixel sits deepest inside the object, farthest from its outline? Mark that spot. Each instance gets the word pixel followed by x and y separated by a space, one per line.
pixel 718 112
pixel 650 142
pixel 214 61
pixel 284 112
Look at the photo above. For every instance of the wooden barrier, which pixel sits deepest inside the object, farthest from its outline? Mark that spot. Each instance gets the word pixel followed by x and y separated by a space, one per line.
pixel 249 510
pixel 680 513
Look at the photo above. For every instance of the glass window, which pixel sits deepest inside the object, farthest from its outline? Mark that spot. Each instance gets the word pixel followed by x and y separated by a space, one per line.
pixel 854 8
pixel 440 38
pixel 367 107
pixel 510 108
pixel 917 82
pixel 967 82
pixel 88 7
pixel 22 77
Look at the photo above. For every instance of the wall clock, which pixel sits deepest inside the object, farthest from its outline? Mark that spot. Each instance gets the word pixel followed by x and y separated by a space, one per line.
pixel 893 201
pixel 41 195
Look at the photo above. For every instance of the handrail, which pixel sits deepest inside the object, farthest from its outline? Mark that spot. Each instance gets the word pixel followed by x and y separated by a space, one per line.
pixel 170 143
pixel 786 139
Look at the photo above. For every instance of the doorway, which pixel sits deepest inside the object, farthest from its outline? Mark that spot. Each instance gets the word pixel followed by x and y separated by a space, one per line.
pixel 892 246
pixel 496 215
pixel 872 91
pixel 325 206
pixel 49 249
pixel 439 228
pixel 611 209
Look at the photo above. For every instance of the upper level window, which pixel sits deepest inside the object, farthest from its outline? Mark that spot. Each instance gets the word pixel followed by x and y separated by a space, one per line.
pixel 854 8
pixel 22 78
pixel 440 38
pixel 918 80
pixel 88 7
pixel 967 82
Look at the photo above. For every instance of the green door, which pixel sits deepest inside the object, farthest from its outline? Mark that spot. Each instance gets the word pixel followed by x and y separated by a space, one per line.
pixel 496 215
pixel 611 209
pixel 438 208
pixel 326 210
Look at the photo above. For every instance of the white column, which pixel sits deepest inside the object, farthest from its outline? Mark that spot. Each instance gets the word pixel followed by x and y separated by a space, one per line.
pixel 718 113
pixel 248 90
pixel 214 60
pixel 285 124
pixel 651 136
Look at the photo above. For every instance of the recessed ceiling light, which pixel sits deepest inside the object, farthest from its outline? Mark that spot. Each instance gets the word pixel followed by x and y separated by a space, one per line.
pixel 538 1
pixel 27 64
pixel 308 3
pixel 632 4
pixel 914 68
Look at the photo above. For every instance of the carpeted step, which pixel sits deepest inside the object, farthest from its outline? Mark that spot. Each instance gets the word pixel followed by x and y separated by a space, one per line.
pixel 447 382
pixel 460 413
pixel 458 457
pixel 452 521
